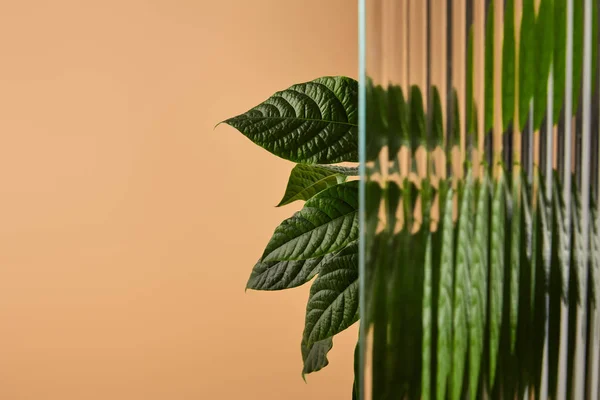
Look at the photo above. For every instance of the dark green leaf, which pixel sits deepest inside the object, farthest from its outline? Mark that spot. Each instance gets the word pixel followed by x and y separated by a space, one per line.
pixel 417 118
pixel 496 272
pixel 312 122
pixel 427 344
pixel 479 287
pixel 544 40
pixel 437 120
pixel 444 318
pixel 398 120
pixel 307 180
pixel 508 65
pixel 560 51
pixel 327 223
pixel 577 51
pixel 279 275
pixel 527 61
pixel 314 356
pixel 515 257
pixel 460 332
pixel 333 301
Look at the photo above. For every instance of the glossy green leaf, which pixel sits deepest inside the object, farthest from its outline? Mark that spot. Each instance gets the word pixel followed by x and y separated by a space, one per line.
pixel 508 65
pixel 497 236
pixel 314 122
pixel 444 317
pixel 460 331
pixel 327 223
pixel 544 41
pixel 279 275
pixel 479 287
pixel 307 180
pixel 314 356
pixel 333 301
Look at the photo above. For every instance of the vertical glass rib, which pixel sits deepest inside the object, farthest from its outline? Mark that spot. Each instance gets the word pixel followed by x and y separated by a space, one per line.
pixel 594 346
pixel 584 172
pixel 566 183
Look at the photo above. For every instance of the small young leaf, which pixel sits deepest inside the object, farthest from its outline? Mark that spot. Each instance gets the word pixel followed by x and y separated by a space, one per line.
pixel 496 272
pixel 444 318
pixel 314 356
pixel 279 275
pixel 460 333
pixel 307 180
pixel 333 301
pixel 327 223
pixel 314 122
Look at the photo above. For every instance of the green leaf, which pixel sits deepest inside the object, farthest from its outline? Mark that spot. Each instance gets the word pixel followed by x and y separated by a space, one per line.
pixel 515 257
pixel 437 120
pixel 577 51
pixel 527 61
pixel 314 356
pixel 427 323
pixel 559 60
pixel 479 288
pixel 427 305
pixel 307 180
pixel 544 39
pixel 444 318
pixel 417 118
pixel 327 223
pixel 314 122
pixel 460 333
pixel 455 133
pixel 398 120
pixel 496 272
pixel 377 110
pixel 489 69
pixel 333 301
pixel 279 275
pixel 508 65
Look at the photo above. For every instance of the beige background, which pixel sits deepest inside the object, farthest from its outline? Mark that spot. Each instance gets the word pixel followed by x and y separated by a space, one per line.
pixel 128 227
